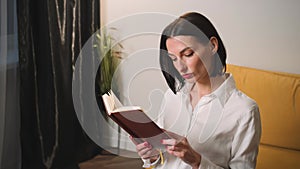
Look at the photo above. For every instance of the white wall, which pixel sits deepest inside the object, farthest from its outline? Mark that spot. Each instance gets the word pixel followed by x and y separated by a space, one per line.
pixel 259 34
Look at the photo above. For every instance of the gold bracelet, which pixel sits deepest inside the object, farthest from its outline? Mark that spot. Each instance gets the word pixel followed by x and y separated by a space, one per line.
pixel 161 157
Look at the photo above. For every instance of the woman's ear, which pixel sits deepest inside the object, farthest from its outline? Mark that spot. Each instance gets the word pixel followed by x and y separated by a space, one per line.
pixel 214 44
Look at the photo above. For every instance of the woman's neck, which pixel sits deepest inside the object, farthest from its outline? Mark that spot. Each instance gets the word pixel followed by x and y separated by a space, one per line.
pixel 207 85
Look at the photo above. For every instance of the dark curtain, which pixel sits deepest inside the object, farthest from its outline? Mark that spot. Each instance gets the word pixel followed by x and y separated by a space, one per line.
pixel 51 34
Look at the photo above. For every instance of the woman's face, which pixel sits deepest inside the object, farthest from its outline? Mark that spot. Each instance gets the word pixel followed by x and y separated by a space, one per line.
pixel 191 58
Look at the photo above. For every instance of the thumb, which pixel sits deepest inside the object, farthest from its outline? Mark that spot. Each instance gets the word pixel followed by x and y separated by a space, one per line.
pixel 136 141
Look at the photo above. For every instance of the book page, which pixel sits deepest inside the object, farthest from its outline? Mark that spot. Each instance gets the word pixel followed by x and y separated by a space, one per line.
pixel 108 103
pixel 127 108
pixel 117 102
pixel 111 102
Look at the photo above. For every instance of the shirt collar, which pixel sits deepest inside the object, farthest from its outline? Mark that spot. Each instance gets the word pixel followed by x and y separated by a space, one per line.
pixel 224 91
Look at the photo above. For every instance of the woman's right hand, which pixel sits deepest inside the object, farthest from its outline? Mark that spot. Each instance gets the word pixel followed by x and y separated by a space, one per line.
pixel 145 150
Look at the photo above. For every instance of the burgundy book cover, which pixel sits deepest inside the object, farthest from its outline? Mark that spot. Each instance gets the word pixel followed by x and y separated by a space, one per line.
pixel 140 126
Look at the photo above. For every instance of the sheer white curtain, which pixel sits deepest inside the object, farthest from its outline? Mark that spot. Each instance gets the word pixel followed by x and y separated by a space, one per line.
pixel 10 151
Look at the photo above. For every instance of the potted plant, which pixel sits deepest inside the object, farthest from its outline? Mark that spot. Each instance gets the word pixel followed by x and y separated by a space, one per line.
pixel 110 51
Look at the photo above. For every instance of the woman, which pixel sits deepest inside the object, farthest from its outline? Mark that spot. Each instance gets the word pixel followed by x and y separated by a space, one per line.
pixel 212 124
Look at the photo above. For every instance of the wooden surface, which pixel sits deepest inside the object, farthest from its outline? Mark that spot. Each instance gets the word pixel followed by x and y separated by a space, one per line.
pixel 109 161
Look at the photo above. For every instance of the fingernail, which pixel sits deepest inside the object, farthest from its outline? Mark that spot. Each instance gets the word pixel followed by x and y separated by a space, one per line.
pixel 146 144
pixel 161 141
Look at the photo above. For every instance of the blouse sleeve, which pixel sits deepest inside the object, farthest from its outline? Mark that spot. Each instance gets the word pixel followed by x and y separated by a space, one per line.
pixel 246 141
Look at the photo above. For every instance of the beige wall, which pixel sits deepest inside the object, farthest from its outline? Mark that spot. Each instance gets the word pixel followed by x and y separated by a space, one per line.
pixel 259 34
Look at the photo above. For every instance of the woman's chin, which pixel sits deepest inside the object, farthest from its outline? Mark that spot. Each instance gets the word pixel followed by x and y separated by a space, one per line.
pixel 190 80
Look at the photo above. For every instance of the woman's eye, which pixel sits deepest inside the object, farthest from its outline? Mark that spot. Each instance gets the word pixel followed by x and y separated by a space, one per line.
pixel 174 59
pixel 189 53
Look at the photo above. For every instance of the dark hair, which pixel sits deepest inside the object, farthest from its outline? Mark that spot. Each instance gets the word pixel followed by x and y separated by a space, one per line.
pixel 190 24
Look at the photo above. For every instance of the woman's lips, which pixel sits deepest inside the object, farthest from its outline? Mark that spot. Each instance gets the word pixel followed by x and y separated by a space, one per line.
pixel 187 76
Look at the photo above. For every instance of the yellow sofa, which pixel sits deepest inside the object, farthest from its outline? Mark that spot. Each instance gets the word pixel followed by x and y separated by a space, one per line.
pixel 278 97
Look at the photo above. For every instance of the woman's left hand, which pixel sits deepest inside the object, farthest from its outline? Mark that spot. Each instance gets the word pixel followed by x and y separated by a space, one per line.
pixel 180 147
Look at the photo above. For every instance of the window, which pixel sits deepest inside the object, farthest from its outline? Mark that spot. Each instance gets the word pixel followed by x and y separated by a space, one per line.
pixel 8 33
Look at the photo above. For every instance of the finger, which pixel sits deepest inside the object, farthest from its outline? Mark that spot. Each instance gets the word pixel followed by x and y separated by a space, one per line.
pixel 148 152
pixel 170 151
pixel 179 154
pixel 168 142
pixel 173 148
pixel 170 148
pixel 145 153
pixel 142 146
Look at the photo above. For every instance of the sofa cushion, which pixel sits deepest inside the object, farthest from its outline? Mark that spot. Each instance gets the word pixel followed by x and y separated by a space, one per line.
pixel 278 97
pixel 271 157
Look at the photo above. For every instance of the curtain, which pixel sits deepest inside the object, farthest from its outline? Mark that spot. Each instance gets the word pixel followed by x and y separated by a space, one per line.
pixel 51 34
pixel 10 151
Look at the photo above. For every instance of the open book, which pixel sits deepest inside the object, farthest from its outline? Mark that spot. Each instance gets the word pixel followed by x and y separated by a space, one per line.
pixel 134 121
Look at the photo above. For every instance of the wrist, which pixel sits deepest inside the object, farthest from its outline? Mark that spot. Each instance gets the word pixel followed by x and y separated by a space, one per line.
pixel 148 163
pixel 154 158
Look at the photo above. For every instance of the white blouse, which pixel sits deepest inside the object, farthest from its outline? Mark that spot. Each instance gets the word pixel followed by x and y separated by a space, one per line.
pixel 224 127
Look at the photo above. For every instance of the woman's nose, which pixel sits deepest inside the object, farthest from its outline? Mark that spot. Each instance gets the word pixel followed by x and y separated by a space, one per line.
pixel 182 66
